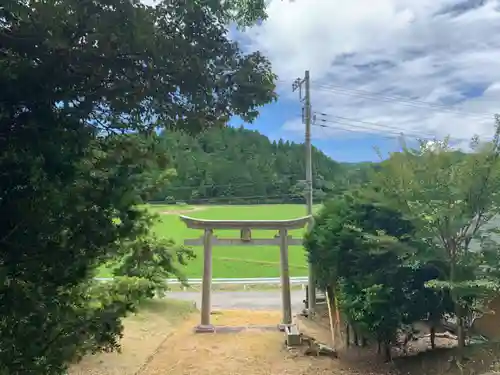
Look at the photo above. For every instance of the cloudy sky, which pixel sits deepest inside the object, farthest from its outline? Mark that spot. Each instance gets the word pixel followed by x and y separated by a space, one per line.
pixel 380 67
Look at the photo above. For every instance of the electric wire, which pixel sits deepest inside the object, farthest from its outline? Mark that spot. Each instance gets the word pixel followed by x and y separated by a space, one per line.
pixel 400 100
pixel 348 127
pixel 377 127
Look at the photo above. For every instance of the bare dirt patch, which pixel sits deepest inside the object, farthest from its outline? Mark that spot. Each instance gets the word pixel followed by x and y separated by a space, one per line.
pixel 248 352
pixel 151 346
pixel 239 318
pixel 479 358
pixel 182 211
pixel 143 334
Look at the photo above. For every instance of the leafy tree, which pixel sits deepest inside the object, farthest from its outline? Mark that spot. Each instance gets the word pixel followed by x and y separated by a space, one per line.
pixel 152 259
pixel 453 200
pixel 77 78
pixel 361 250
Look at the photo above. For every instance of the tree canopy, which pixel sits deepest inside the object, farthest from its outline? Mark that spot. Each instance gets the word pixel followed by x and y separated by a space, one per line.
pixel 418 238
pixel 237 165
pixel 126 65
pixel 84 84
pixel 453 200
pixel 361 250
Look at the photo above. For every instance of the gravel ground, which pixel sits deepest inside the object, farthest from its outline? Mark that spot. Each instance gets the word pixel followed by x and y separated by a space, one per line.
pixel 251 352
pixel 268 300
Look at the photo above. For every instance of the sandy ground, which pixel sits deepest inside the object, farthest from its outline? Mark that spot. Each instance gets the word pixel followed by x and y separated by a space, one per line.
pixel 161 341
pixel 151 346
pixel 143 335
pixel 249 352
pixel 245 300
pixel 182 211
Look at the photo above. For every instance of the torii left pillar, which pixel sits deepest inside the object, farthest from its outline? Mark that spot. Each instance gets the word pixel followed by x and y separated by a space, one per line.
pixel 205 325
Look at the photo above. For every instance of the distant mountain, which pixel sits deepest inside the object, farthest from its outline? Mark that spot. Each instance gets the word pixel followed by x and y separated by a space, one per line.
pixel 237 165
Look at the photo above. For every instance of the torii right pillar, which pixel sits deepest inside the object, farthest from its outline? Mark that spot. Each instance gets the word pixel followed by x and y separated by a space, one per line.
pixel 285 278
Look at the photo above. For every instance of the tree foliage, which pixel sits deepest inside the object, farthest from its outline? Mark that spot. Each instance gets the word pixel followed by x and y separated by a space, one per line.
pixel 453 201
pixel 115 60
pixel 361 250
pixel 153 259
pixel 76 75
pixel 237 165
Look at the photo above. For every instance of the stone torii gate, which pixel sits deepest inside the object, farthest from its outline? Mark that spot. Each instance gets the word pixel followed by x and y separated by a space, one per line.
pixel 245 226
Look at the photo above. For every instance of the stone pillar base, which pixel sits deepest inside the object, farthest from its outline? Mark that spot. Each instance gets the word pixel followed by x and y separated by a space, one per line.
pixel 310 313
pixel 204 328
pixel 282 327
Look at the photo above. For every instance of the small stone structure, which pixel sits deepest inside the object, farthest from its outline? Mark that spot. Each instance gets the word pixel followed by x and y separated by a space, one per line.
pixel 292 335
pixel 245 226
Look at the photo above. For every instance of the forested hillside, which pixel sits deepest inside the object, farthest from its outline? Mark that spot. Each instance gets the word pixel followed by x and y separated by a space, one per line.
pixel 236 165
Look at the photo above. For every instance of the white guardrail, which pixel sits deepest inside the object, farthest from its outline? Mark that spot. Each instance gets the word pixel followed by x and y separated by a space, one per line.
pixel 300 280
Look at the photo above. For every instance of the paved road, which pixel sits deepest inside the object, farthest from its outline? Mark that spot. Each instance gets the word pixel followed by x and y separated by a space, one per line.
pixel 248 300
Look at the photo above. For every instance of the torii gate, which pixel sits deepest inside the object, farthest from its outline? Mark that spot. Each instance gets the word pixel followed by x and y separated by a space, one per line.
pixel 245 226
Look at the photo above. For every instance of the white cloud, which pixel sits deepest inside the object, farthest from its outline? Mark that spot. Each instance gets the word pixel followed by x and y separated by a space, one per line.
pixel 439 51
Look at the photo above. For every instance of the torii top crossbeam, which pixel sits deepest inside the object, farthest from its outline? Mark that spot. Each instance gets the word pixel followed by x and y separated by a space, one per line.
pixel 195 223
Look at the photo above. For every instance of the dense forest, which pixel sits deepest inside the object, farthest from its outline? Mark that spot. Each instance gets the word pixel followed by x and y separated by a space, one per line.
pixel 238 165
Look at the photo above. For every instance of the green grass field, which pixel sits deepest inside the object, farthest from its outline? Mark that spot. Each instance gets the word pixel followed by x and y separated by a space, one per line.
pixel 240 262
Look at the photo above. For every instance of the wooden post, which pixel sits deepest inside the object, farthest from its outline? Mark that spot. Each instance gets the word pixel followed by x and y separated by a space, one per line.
pixel 330 316
pixel 307 297
pixel 285 278
pixel 205 325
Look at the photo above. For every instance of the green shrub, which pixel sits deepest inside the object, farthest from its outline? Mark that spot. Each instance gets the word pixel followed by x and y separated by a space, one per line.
pixel 169 200
pixel 154 260
pixel 361 250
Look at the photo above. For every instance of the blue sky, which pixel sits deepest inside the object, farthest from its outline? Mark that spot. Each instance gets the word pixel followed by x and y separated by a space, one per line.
pixel 427 68
pixel 273 116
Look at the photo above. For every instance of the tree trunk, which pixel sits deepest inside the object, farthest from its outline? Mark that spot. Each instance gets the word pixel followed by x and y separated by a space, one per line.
pixel 364 342
pixel 461 333
pixel 379 347
pixel 347 335
pixel 458 312
pixel 387 351
pixel 433 337
pixel 356 337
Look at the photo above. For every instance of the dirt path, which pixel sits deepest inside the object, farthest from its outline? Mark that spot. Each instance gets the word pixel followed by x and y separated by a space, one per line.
pixel 249 352
pixel 246 300
pixel 152 347
pixel 143 335
pixel 182 211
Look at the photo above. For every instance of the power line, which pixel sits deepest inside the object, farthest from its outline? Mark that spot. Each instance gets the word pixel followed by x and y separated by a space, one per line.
pixel 375 96
pixel 356 120
pixel 400 100
pixel 378 126
pixel 395 99
pixel 387 133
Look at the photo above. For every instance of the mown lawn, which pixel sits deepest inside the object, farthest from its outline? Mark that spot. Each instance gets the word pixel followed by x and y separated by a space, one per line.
pixel 239 262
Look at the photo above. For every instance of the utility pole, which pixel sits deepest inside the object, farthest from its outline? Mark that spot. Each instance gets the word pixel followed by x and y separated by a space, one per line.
pixel 307 118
